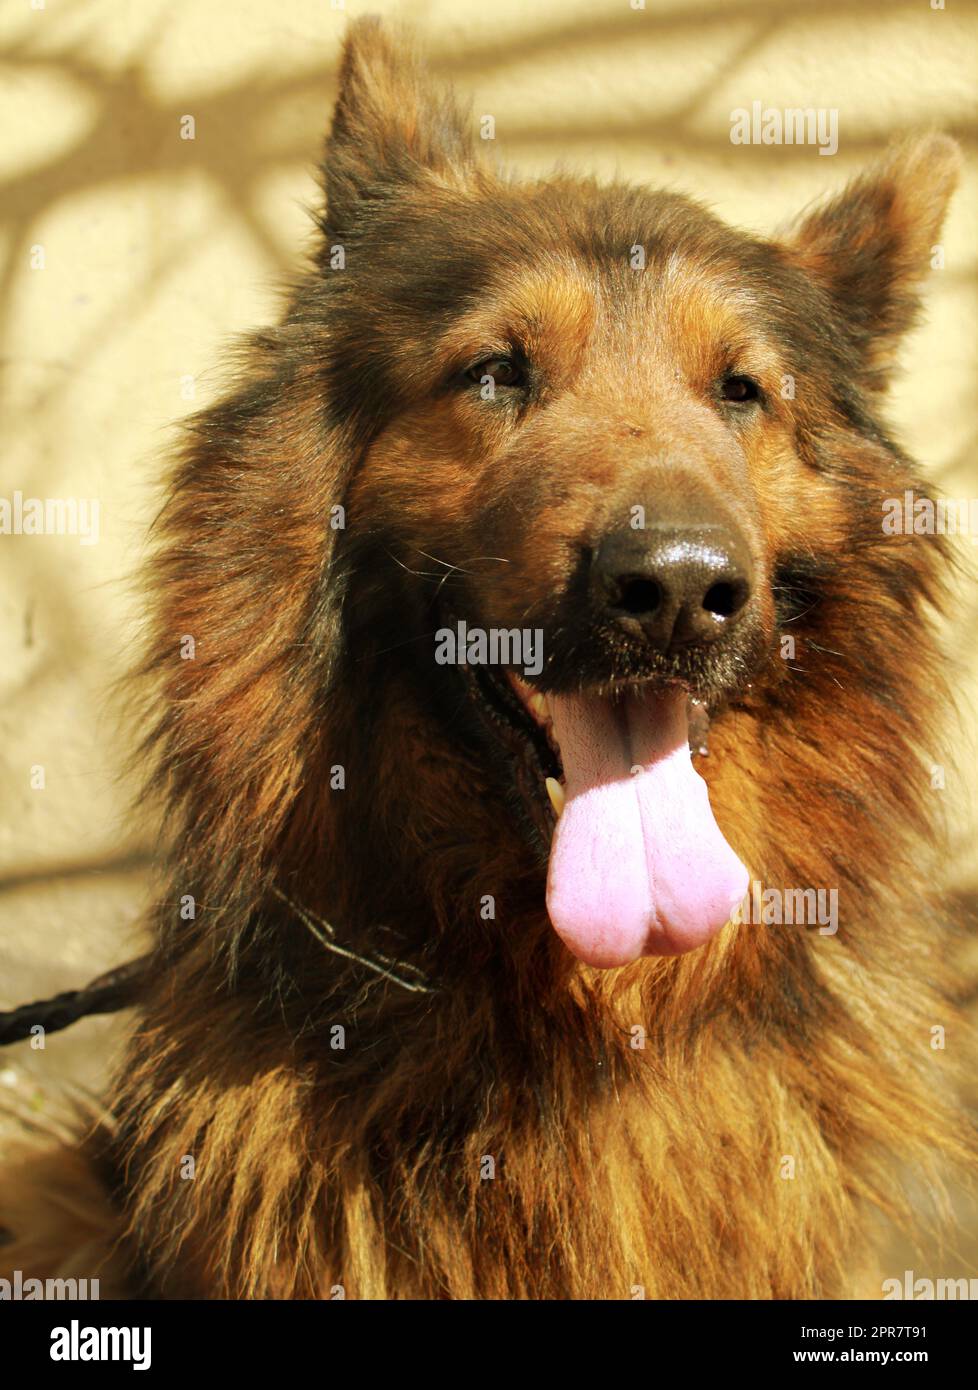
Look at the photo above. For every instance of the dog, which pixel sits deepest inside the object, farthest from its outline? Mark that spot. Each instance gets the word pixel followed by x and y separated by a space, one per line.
pixel 521 616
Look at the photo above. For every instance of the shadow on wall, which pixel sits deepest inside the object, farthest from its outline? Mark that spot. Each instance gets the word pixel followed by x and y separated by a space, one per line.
pixel 131 133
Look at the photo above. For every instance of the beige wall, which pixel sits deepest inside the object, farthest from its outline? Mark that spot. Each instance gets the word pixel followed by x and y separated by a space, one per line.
pixel 158 250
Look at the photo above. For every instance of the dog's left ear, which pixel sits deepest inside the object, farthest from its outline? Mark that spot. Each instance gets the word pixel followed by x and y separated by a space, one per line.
pixel 872 245
pixel 392 124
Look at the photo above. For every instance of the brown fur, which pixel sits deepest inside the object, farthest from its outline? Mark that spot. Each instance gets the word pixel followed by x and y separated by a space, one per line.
pixel 63 1225
pixel 615 1166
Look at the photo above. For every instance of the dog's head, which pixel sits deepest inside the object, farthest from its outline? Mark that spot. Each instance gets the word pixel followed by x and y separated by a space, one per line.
pixel 602 453
pixel 603 435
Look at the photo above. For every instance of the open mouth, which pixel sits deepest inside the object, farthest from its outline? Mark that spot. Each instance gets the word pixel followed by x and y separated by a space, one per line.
pixel 638 865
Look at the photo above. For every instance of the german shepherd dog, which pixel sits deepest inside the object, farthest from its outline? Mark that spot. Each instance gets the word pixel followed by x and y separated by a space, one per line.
pixel 523 611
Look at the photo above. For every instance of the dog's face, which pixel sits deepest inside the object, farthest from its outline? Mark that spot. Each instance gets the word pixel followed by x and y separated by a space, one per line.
pixel 590 450
pixel 604 420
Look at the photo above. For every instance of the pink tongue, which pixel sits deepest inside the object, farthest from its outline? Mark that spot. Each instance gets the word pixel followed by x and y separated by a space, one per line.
pixel 638 865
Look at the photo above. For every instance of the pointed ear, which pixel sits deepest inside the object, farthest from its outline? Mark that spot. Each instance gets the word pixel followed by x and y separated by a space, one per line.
pixel 871 246
pixel 391 123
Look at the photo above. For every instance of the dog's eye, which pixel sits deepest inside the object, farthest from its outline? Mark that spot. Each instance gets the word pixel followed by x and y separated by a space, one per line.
pixel 503 370
pixel 739 389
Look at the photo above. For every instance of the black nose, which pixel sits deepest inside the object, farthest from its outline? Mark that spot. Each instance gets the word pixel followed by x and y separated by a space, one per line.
pixel 681 585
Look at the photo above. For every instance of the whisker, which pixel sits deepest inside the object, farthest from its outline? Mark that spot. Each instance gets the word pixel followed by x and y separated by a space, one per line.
pixel 419 574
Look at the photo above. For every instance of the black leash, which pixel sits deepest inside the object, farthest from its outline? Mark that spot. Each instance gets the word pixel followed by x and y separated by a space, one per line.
pixel 116 989
pixel 119 988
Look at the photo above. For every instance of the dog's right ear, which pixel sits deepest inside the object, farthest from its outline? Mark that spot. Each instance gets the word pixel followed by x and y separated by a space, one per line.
pixel 391 124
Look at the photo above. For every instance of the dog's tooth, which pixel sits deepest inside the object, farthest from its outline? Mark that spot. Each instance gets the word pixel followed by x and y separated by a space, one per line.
pixel 556 793
pixel 539 706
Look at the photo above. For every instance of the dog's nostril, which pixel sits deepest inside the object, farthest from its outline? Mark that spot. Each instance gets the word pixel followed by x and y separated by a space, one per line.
pixel 637 595
pixel 725 599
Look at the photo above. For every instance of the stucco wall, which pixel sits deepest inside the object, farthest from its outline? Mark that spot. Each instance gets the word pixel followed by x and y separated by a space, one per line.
pixel 157 250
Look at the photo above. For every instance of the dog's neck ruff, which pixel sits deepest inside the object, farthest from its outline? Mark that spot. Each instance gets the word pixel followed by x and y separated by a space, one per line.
pixel 121 987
